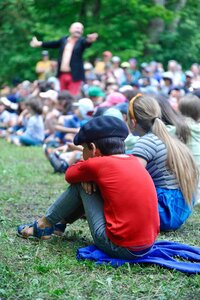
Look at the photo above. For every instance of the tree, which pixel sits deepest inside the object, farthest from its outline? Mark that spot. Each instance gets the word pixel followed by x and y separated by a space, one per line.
pixel 147 30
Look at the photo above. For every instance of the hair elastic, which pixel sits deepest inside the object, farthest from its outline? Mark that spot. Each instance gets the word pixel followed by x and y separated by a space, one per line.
pixel 130 108
pixel 153 120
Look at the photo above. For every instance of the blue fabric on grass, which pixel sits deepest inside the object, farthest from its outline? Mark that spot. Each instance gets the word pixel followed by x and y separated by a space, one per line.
pixel 163 253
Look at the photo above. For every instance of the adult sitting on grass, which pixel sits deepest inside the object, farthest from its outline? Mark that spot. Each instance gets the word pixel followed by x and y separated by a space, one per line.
pixel 168 161
pixel 122 214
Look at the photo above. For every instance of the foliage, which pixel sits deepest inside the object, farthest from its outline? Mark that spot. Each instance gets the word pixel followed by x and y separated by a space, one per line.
pixel 125 27
pixel 31 270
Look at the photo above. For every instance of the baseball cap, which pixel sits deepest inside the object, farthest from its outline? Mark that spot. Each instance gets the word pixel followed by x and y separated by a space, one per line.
pixel 88 66
pixel 116 59
pixel 167 75
pixel 50 94
pixel 125 65
pixel 113 99
pixel 85 106
pixel 101 127
pixel 113 112
pixel 95 91
pixel 189 74
pixel 125 88
pixel 45 52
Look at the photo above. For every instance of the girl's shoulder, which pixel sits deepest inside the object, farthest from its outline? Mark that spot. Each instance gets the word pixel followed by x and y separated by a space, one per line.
pixel 151 138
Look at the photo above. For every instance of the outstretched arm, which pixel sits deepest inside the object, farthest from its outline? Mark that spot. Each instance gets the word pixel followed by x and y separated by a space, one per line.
pixel 36 43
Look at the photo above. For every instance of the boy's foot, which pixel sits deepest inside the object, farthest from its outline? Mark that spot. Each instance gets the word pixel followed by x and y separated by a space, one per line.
pixel 37 229
pixel 59 229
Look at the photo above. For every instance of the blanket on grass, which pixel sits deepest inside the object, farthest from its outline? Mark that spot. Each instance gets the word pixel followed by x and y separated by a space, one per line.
pixel 164 253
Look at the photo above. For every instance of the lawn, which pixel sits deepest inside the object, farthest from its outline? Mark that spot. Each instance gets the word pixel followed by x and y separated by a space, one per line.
pixel 31 270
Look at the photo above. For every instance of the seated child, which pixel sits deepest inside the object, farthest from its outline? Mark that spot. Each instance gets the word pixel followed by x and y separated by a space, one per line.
pixel 34 132
pixel 189 106
pixel 168 161
pixel 122 214
pixel 69 125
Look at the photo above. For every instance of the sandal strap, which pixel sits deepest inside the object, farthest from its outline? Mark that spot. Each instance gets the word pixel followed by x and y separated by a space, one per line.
pixel 60 227
pixel 39 232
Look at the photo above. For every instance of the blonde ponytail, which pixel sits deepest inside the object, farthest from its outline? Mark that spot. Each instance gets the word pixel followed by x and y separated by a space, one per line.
pixel 179 161
pixel 147 114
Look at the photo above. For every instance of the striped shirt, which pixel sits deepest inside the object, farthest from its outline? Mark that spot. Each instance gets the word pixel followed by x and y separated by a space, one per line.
pixel 154 151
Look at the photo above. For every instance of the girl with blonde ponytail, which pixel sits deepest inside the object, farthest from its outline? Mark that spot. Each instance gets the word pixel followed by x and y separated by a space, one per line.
pixel 167 159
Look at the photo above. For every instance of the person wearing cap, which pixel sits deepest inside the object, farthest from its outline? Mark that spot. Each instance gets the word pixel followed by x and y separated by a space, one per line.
pixel 135 72
pixel 113 99
pixel 128 74
pixel 67 126
pixel 188 81
pixel 70 61
pixel 96 94
pixel 166 83
pixel 122 213
pixel 117 70
pixel 44 66
pixel 7 118
pixel 100 65
pixel 50 111
pixel 175 93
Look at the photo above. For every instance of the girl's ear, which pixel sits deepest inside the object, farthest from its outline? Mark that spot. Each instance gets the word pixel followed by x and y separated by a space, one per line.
pixel 133 123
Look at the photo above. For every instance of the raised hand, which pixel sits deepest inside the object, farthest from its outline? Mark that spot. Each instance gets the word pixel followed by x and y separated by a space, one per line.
pixel 35 43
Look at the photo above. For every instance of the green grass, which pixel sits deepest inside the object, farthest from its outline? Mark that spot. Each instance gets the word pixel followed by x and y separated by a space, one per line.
pixel 31 270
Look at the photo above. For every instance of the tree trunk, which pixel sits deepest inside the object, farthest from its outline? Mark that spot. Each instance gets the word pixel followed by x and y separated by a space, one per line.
pixel 181 4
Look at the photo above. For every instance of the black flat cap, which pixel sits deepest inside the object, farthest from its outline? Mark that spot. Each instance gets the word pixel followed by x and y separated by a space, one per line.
pixel 101 127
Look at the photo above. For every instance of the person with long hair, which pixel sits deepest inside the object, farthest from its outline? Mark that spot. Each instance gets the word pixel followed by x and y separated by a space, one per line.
pixel 173 119
pixel 167 160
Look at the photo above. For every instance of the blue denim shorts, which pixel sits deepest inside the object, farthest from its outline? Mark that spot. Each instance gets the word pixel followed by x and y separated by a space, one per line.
pixel 173 209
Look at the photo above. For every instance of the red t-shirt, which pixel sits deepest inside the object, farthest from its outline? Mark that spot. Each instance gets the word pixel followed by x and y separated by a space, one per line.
pixel 129 195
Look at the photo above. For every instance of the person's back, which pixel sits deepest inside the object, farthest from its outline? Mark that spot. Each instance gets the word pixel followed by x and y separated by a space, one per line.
pixel 166 159
pixel 35 127
pixel 189 106
pixel 128 203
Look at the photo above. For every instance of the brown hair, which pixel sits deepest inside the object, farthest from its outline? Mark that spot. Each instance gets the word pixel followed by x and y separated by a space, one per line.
pixel 36 105
pixel 189 106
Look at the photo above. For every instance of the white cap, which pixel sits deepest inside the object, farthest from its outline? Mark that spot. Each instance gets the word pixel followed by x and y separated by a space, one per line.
pixel 125 88
pixel 50 94
pixel 86 107
pixel 167 75
pixel 115 59
pixel 8 103
pixel 189 74
pixel 88 66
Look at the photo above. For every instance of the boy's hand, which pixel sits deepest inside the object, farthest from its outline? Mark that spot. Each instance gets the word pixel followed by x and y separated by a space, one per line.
pixel 89 187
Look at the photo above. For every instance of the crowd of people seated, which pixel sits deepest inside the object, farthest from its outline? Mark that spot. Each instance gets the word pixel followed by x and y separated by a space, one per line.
pixel 39 113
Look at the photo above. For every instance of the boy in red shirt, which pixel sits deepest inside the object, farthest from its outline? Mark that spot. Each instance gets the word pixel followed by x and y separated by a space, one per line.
pixel 122 214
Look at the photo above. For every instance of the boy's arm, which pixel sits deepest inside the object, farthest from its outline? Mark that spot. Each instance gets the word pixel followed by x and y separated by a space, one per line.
pixel 79 172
